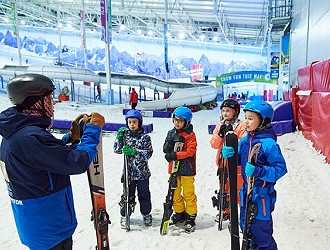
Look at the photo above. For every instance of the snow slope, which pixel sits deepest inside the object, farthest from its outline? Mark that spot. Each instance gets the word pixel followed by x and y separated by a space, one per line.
pixel 300 217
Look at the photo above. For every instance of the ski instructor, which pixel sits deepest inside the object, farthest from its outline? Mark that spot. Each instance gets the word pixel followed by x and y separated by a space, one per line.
pixel 37 166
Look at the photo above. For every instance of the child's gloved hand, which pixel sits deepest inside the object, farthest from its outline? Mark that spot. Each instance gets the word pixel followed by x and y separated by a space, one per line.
pixel 249 169
pixel 170 156
pixel 224 129
pixel 129 151
pixel 227 152
pixel 120 133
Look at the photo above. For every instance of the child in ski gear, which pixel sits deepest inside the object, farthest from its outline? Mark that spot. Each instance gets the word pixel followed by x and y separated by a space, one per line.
pixel 269 167
pixel 230 110
pixel 185 204
pixel 134 143
pixel 37 166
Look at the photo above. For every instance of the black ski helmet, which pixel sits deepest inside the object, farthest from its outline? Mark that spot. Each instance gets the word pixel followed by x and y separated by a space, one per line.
pixel 231 103
pixel 26 85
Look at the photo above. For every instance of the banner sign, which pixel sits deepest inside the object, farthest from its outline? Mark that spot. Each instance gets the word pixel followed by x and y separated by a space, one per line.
pixel 196 72
pixel 241 76
pixel 82 31
pixel 166 49
pixel 103 18
pixel 13 16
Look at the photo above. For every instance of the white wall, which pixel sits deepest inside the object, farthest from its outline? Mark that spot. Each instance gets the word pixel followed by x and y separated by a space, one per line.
pixel 310 34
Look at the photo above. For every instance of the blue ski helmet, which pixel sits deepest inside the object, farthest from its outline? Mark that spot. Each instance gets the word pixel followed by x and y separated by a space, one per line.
pixel 133 113
pixel 263 109
pixel 184 113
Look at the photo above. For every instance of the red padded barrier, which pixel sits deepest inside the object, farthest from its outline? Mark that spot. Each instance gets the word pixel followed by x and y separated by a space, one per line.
pixel 305 115
pixel 304 78
pixel 316 75
pixel 320 135
pixel 326 65
pixel 295 104
pixel 321 76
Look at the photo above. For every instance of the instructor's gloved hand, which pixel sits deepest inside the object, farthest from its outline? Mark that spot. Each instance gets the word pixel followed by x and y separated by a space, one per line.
pixel 227 152
pixel 95 118
pixel 74 129
pixel 129 151
pixel 120 133
pixel 249 169
pixel 170 156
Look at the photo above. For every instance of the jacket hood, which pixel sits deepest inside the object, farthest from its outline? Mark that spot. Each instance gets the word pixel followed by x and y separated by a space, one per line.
pixel 266 133
pixel 11 121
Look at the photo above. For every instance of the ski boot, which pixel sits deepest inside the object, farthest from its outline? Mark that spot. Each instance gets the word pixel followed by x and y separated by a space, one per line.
pixel 190 225
pixel 147 220
pixel 178 217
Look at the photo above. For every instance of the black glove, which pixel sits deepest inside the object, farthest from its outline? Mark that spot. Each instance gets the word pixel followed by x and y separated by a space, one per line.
pixel 224 129
pixel 170 141
pixel 170 156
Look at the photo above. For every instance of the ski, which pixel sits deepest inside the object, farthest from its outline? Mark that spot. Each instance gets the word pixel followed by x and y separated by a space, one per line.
pixel 100 216
pixel 125 197
pixel 251 208
pixel 232 162
pixel 172 183
pixel 219 200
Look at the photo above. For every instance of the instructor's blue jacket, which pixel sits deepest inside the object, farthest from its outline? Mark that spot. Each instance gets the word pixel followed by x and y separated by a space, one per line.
pixel 36 167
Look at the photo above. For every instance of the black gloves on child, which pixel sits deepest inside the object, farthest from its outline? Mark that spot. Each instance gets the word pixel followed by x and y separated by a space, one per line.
pixel 224 129
pixel 170 156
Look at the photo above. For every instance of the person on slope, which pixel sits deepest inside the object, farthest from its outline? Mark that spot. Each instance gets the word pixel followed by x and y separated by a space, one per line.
pixel 269 167
pixel 184 198
pixel 134 143
pixel 37 166
pixel 133 98
pixel 230 110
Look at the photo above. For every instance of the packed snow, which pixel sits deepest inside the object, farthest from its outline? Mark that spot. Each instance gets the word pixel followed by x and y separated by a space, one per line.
pixel 300 217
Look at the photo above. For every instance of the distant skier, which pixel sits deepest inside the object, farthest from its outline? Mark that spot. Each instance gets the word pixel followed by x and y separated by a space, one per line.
pixel 184 199
pixel 229 112
pixel 133 98
pixel 38 166
pixel 138 148
pixel 270 166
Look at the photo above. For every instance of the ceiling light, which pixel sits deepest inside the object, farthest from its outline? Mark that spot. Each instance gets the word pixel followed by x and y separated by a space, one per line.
pixel 6 20
pixel 122 27
pixel 139 31
pixel 150 33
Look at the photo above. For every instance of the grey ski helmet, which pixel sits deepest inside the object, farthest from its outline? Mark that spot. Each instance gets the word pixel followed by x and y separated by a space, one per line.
pixel 26 85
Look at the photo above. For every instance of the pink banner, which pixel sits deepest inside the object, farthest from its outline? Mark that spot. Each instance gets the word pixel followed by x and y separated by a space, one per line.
pixel 103 18
pixel 82 29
